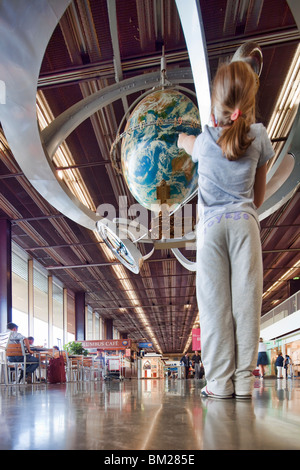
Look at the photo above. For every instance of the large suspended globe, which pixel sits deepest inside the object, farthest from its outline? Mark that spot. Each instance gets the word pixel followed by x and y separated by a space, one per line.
pixel 155 169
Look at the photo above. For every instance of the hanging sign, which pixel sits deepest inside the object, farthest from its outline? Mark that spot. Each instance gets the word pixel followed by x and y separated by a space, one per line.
pixel 196 339
pixel 145 345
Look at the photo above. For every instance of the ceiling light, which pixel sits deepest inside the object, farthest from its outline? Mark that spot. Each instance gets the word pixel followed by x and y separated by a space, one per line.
pixel 286 107
pixel 284 277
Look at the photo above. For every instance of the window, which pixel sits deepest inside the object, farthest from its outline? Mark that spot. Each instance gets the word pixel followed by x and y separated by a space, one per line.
pixel 20 292
pixel 40 307
pixel 89 324
pixel 58 315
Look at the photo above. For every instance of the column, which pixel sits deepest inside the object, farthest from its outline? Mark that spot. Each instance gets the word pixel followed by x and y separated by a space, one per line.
pixel 109 328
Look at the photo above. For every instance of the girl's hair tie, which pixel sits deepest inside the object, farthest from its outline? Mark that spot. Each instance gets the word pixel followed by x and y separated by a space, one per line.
pixel 236 114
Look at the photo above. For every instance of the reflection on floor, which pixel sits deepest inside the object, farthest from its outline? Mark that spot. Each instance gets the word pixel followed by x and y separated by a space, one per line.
pixel 148 415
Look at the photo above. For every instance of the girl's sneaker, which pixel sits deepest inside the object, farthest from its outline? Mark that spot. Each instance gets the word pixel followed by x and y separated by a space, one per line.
pixel 243 396
pixel 207 394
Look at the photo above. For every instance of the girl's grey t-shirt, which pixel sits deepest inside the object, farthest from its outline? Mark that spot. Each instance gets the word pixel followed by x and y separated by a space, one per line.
pixel 227 186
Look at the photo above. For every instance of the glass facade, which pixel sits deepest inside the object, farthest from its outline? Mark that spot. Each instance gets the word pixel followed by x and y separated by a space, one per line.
pixel 43 308
pixel 20 292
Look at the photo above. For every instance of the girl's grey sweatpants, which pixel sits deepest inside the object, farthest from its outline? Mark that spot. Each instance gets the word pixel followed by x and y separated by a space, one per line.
pixel 229 294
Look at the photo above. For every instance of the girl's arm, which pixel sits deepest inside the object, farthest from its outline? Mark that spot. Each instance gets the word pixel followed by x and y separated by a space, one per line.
pixel 186 142
pixel 260 185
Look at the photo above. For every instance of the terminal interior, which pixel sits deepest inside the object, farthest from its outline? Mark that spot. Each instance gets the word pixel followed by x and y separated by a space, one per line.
pixel 72 73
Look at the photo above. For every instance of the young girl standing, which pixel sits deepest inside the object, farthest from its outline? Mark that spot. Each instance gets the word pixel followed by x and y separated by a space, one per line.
pixel 232 164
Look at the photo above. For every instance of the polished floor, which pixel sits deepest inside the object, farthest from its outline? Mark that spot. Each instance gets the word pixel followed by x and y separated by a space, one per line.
pixel 148 415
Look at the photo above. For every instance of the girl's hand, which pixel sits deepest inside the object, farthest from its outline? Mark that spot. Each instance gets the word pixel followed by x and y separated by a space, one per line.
pixel 186 142
pixel 181 139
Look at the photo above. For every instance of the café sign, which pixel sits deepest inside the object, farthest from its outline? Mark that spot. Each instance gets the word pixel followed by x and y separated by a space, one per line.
pixel 107 344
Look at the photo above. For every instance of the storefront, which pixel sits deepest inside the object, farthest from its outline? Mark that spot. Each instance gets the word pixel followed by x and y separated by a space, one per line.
pixel 152 366
pixel 280 331
pixel 292 349
pixel 118 357
pixel 287 346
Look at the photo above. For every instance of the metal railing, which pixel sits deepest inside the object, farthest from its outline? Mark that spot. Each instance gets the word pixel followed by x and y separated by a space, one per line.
pixel 286 308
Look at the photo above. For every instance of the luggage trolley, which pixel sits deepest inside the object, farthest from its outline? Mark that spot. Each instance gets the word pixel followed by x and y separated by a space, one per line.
pixel 113 366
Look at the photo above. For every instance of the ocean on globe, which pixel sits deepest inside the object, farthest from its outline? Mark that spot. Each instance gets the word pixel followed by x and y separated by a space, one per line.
pixel 149 153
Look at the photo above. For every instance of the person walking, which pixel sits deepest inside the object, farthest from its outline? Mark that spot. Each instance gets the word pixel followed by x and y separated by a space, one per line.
pixel 232 158
pixel 185 360
pixel 262 358
pixel 279 363
pixel 196 360
pixel 288 370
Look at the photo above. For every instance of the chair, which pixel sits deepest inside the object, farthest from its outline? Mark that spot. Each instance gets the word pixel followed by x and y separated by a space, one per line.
pixel 16 350
pixel 73 367
pixel 90 369
pixel 44 358
pixel 10 350
pixel 4 337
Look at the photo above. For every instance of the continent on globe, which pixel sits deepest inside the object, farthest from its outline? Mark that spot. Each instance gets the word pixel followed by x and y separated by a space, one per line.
pixel 183 163
pixel 149 152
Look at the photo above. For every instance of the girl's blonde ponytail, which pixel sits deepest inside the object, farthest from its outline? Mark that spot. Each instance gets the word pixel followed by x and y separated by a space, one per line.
pixel 233 104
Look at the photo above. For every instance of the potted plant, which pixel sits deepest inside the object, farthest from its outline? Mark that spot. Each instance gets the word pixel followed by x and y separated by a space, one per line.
pixel 74 348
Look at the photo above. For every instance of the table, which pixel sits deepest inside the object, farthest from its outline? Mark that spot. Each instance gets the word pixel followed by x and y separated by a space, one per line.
pixel 42 354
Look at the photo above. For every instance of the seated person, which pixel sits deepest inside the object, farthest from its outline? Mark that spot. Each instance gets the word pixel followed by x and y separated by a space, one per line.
pixel 99 357
pixel 32 362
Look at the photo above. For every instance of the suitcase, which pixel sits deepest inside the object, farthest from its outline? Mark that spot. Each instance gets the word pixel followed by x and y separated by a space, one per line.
pixel 56 370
